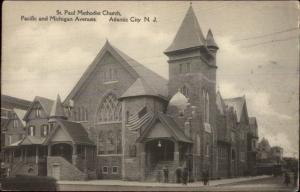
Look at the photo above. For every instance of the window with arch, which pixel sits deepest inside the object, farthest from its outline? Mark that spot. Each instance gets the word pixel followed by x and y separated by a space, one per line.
pixel 198 144
pixel 110 109
pixel 207 150
pixel 185 91
pixel 100 143
pixel 207 108
pixel 119 141
pixel 205 98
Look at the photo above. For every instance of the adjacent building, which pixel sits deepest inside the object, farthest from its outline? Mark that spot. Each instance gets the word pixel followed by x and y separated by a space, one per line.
pixel 268 157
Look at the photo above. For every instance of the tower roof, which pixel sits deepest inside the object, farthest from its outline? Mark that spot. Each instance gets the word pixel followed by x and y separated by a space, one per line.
pixel 210 41
pixel 189 34
pixel 57 109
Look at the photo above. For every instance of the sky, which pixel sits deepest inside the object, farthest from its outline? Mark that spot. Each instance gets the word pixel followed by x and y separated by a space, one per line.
pixel 258 55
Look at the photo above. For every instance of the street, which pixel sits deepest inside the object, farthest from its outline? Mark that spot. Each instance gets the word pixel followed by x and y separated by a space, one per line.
pixel 265 184
pixel 262 183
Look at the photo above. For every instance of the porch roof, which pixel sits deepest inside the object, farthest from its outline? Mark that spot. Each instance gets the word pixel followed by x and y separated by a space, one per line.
pixel 28 140
pixel 32 140
pixel 15 144
pixel 169 124
pixel 74 130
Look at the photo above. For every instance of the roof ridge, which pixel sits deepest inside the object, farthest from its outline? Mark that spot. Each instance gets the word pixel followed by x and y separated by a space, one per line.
pixel 135 68
pixel 138 63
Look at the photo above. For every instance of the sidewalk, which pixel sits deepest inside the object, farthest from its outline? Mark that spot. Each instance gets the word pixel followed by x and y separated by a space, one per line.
pixel 148 184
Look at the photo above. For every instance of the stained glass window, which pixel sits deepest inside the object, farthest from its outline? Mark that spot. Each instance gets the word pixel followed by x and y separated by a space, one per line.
pixel 110 109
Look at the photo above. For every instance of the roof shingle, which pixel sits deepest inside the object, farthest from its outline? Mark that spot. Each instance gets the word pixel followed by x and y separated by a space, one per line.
pixel 189 34
pixel 136 69
pixel 76 131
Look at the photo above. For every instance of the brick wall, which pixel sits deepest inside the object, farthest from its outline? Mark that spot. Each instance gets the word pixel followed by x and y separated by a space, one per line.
pixel 109 161
pixel 132 165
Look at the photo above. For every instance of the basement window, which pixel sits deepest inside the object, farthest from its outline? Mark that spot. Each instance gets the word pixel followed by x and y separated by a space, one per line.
pixel 115 169
pixel 105 170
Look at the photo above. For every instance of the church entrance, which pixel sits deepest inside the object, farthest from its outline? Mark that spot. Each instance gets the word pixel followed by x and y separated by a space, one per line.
pixel 160 150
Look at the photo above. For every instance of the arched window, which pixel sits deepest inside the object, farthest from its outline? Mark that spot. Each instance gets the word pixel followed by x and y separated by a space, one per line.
pixel 205 98
pixel 204 105
pixel 198 144
pixel 119 142
pixel 207 107
pixel 86 114
pixel 100 143
pixel 185 91
pixel 110 109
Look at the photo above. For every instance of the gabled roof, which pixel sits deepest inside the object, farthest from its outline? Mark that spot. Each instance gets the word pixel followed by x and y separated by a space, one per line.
pixel 28 140
pixel 45 103
pixel 136 69
pixel 171 126
pixel 147 75
pixel 57 109
pixel 220 103
pixel 20 114
pixel 15 144
pixel 210 41
pixel 189 34
pixel 238 104
pixel 75 130
pixel 32 140
pixel 18 103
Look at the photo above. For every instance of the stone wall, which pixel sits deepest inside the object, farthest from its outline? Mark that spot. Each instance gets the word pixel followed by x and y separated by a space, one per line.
pixel 67 170
pixel 23 168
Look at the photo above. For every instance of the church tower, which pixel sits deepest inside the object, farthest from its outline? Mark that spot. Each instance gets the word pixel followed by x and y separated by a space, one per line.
pixel 192 70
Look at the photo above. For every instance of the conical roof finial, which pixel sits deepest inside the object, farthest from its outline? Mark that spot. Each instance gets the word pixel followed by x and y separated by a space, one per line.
pixel 210 41
pixel 57 110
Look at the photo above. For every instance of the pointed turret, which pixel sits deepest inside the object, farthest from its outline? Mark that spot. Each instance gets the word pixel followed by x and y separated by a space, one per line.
pixel 57 111
pixel 210 42
pixel 189 34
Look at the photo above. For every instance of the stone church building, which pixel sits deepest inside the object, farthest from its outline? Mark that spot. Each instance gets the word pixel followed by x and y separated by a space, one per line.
pixel 124 121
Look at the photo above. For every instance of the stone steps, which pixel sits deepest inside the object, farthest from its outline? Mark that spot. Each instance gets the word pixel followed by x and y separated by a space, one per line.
pixel 152 176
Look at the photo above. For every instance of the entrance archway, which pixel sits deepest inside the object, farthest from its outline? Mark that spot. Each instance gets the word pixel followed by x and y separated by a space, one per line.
pixel 62 149
pixel 160 150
